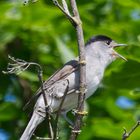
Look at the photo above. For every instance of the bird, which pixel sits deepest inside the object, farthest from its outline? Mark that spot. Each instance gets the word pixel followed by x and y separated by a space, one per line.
pixel 99 53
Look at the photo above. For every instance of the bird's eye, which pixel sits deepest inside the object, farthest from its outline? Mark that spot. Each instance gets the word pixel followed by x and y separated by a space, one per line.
pixel 107 42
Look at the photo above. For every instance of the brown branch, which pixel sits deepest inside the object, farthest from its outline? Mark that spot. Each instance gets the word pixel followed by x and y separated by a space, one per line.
pixel 127 134
pixel 65 10
pixel 80 107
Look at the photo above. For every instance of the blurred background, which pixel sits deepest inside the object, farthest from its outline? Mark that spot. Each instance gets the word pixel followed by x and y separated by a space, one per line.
pixel 40 33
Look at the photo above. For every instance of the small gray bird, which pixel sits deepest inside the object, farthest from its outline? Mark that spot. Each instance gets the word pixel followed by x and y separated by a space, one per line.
pixel 99 54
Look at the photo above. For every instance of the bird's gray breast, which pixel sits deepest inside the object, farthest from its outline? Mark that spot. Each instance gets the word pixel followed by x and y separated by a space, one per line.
pixel 94 74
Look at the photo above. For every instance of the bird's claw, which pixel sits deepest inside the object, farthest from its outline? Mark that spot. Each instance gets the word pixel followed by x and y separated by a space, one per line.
pixel 84 113
pixel 83 62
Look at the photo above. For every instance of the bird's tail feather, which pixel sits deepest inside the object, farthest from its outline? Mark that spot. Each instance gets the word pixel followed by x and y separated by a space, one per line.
pixel 36 119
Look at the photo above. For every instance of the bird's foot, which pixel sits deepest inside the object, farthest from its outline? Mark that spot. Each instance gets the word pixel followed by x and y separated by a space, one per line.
pixel 83 62
pixel 84 113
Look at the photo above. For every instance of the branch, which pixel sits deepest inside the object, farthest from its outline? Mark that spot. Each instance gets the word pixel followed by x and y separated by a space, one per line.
pixel 65 6
pixel 65 11
pixel 127 134
pixel 16 67
pixel 82 89
pixel 76 22
pixel 40 138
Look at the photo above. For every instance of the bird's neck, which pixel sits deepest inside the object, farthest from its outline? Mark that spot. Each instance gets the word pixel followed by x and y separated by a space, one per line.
pixel 97 57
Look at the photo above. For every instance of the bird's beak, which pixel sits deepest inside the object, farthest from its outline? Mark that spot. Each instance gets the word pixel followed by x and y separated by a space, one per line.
pixel 115 45
pixel 118 55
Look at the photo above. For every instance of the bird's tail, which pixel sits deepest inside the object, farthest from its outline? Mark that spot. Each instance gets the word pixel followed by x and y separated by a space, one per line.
pixel 36 119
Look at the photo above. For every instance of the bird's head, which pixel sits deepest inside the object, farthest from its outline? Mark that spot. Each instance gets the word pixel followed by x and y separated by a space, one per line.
pixel 104 47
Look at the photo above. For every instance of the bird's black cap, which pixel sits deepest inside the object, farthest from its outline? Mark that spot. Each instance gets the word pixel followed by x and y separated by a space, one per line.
pixel 99 38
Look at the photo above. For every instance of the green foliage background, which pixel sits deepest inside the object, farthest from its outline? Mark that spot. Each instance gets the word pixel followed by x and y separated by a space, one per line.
pixel 40 33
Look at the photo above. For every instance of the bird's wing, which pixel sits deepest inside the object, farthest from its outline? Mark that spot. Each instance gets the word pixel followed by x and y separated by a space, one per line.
pixel 66 70
pixel 62 73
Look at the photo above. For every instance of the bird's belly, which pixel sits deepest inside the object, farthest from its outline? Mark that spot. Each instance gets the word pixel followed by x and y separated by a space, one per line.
pixel 71 100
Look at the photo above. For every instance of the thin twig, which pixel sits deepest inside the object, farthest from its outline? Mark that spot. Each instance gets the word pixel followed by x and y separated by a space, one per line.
pixel 41 138
pixel 59 111
pixel 16 67
pixel 65 12
pixel 40 76
pixel 127 134
pixel 65 7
